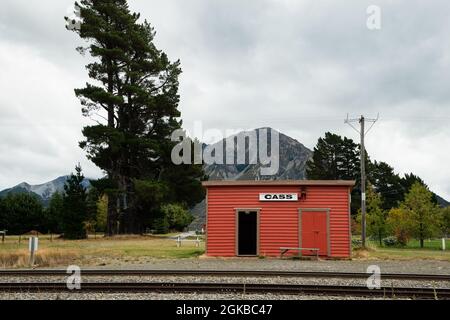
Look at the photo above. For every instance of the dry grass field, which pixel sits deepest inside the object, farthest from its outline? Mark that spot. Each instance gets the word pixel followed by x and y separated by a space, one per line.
pixel 135 250
pixel 94 251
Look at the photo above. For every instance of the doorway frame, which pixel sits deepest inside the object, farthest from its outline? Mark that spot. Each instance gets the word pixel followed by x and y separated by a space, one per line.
pixel 300 213
pixel 236 231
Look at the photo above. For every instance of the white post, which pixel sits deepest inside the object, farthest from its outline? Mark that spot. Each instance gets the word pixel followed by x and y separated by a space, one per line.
pixel 443 244
pixel 33 247
pixel 197 243
pixel 178 241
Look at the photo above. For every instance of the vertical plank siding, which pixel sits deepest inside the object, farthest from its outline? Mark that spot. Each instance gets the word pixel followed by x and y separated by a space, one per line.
pixel 279 221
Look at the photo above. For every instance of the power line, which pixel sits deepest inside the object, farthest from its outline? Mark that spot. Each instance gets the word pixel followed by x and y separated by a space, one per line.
pixel 362 132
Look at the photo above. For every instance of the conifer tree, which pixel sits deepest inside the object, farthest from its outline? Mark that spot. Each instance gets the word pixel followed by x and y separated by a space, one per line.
pixel 134 99
pixel 75 210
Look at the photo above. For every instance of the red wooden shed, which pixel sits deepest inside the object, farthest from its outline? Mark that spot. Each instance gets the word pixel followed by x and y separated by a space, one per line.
pixel 264 218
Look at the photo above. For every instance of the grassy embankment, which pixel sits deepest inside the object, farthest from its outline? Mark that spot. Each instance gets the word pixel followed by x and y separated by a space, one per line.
pixel 94 251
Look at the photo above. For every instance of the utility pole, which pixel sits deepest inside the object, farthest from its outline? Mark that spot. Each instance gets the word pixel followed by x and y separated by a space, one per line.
pixel 362 131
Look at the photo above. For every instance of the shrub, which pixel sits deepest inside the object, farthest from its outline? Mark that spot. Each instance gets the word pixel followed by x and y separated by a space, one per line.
pixel 177 216
pixel 390 241
pixel 399 223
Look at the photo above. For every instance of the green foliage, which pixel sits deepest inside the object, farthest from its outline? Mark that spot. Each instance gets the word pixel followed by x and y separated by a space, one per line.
pixel 422 212
pixel 400 225
pixel 2 215
pixel 177 216
pixel 334 158
pixel 54 213
pixel 390 241
pixel 135 86
pixel 161 225
pixel 386 183
pixel 102 211
pixel 92 199
pixel 409 180
pixel 376 216
pixel 149 195
pixel 337 158
pixel 75 213
pixel 416 217
pixel 445 221
pixel 21 213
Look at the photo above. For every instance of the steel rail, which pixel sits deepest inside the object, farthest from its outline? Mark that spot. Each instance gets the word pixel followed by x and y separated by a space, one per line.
pixel 227 273
pixel 386 292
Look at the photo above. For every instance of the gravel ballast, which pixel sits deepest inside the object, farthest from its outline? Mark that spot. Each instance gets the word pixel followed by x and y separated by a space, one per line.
pixel 220 279
pixel 172 296
pixel 387 266
pixel 416 266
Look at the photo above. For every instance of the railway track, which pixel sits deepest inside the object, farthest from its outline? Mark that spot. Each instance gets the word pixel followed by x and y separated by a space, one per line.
pixel 225 273
pixel 414 293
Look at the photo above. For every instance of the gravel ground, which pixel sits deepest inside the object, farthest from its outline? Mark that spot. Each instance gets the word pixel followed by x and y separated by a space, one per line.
pixel 388 266
pixel 218 279
pixel 160 296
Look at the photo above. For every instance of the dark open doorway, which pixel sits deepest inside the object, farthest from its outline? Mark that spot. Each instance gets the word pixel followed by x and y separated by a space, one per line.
pixel 247 233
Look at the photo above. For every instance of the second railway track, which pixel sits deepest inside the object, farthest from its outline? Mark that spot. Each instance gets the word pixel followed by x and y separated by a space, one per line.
pixel 286 289
pixel 225 273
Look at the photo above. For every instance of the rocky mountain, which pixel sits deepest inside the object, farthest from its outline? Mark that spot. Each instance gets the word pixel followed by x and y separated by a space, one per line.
pixel 43 191
pixel 442 202
pixel 293 157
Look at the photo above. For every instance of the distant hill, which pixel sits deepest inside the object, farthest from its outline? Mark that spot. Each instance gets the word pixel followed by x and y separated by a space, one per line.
pixel 293 159
pixel 292 166
pixel 44 191
pixel 442 202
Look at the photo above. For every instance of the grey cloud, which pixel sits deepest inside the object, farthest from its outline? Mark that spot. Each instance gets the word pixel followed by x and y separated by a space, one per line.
pixel 298 66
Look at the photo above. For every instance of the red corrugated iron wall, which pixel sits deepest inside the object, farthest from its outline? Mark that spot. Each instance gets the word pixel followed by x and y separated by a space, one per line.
pixel 278 221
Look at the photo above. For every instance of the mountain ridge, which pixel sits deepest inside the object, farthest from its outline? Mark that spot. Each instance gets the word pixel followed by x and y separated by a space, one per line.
pixel 44 191
pixel 293 159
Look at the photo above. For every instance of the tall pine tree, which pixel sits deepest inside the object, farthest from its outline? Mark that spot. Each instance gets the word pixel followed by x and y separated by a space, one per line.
pixel 135 92
pixel 336 158
pixel 387 183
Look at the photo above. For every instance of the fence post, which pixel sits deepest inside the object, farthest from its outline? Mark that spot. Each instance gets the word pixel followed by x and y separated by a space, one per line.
pixel 178 241
pixel 443 244
pixel 33 247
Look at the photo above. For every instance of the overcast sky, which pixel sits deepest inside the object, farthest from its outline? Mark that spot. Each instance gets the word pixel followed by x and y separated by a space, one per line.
pixel 298 66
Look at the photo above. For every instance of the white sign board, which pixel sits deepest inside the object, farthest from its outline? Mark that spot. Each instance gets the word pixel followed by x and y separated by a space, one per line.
pixel 278 197
pixel 33 244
